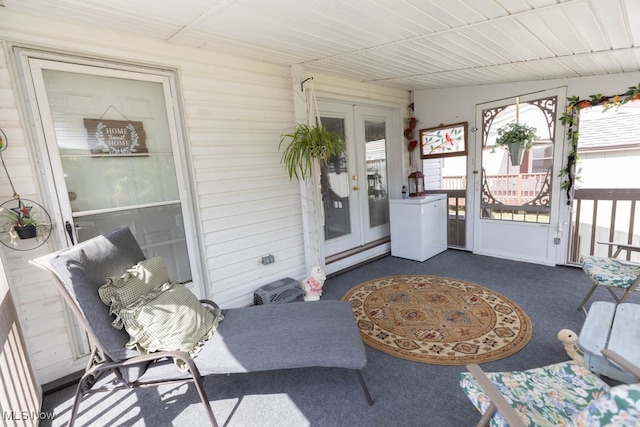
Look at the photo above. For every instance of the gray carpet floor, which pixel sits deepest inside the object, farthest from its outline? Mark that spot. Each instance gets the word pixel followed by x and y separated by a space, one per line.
pixel 406 393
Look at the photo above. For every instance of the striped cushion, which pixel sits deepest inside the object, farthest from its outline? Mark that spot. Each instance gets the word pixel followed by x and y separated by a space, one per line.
pixel 169 318
pixel 136 282
pixel 158 313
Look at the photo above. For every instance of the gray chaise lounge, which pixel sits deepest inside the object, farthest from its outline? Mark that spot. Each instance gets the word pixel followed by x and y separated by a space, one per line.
pixel 258 338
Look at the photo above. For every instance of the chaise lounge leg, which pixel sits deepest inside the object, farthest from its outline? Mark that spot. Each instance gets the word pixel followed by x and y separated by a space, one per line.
pixel 364 387
pixel 197 380
pixel 76 402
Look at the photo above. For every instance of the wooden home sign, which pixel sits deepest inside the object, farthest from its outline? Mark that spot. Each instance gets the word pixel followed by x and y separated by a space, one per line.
pixel 115 136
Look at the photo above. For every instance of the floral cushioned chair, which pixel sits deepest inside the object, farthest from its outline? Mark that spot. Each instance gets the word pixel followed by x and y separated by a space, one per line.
pixel 612 274
pixel 564 394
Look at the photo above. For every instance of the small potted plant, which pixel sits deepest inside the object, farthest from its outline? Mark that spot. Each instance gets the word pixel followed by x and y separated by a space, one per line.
pixel 22 222
pixel 307 143
pixel 516 138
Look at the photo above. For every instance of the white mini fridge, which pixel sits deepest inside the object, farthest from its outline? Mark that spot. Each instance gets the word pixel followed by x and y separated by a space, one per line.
pixel 418 226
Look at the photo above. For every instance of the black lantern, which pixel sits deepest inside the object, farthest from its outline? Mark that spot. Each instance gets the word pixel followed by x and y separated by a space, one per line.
pixel 416 184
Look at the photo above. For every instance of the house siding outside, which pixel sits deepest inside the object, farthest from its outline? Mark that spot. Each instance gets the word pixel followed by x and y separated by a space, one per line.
pixel 234 110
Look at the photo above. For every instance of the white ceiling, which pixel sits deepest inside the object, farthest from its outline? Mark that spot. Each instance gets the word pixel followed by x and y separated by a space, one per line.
pixel 407 44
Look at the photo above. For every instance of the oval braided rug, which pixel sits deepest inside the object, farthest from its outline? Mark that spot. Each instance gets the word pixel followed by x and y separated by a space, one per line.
pixel 438 320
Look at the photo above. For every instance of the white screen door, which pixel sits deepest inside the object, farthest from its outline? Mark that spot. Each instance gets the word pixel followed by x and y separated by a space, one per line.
pixel 518 213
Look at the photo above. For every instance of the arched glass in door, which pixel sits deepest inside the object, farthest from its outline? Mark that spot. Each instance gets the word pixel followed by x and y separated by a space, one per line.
pixel 517 186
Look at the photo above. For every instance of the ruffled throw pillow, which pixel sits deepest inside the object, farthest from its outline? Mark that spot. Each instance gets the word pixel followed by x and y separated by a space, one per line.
pixel 158 313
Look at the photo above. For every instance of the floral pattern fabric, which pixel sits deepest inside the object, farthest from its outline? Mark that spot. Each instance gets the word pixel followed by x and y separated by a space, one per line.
pixel 547 396
pixel 610 272
pixel 621 408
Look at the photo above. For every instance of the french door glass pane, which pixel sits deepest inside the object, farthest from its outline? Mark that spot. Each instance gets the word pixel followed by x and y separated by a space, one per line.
pixel 376 160
pixel 335 188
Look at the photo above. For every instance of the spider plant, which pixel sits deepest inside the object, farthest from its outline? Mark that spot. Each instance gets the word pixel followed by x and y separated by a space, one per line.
pixel 306 143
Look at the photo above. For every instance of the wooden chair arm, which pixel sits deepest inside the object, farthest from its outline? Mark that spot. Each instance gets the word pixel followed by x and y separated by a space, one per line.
pixel 497 399
pixel 622 362
pixel 621 247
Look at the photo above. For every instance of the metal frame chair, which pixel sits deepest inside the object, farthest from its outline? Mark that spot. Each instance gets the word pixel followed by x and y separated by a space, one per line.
pixel 292 335
pixel 612 274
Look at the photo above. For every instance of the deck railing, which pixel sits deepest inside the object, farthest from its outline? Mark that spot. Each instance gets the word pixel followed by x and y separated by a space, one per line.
pixel 604 215
pixel 599 215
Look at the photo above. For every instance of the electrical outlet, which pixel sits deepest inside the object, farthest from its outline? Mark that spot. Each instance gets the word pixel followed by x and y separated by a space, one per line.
pixel 268 259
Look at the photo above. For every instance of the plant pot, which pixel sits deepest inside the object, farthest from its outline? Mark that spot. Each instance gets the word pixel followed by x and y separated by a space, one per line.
pixel 515 153
pixel 26 232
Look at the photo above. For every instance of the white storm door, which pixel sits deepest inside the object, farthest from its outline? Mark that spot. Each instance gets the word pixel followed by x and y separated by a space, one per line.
pixel 339 183
pixel 517 209
pixel 111 145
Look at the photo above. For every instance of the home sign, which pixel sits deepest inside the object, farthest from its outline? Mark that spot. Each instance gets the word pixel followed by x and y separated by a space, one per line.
pixel 115 136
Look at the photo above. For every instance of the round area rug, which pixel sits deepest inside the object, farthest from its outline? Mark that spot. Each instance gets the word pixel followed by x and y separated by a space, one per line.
pixel 438 320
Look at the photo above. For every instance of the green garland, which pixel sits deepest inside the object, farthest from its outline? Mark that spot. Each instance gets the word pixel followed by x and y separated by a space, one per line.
pixel 570 119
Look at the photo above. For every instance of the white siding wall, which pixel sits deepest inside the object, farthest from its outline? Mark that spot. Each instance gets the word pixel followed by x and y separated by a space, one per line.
pixel 235 110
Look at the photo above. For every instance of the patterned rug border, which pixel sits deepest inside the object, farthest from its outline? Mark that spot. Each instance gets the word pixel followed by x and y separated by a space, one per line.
pixel 513 347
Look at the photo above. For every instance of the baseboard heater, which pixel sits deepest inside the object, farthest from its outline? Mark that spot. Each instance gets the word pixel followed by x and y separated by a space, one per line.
pixel 280 291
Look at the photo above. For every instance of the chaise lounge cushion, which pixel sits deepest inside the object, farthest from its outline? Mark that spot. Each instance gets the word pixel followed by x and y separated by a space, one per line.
pixel 282 336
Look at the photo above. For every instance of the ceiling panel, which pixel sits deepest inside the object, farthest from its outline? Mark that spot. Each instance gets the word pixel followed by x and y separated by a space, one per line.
pixel 409 44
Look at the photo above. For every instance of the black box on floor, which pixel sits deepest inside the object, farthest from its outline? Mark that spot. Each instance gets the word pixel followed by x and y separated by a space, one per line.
pixel 280 291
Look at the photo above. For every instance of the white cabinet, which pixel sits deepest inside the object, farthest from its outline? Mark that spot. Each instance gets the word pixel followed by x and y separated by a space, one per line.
pixel 418 226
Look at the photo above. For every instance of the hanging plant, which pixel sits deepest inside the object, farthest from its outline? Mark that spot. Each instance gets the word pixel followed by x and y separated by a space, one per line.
pixel 516 138
pixel 20 220
pixel 570 120
pixel 516 133
pixel 306 143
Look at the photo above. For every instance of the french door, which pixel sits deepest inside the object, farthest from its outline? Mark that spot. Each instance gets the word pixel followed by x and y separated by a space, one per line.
pixel 354 185
pixel 109 142
pixel 518 212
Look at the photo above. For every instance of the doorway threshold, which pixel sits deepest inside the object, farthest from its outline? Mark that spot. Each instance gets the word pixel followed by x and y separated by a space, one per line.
pixel 358 255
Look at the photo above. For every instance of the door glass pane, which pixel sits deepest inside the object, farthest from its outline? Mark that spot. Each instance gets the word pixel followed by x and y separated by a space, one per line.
pixel 516 186
pixel 158 230
pixel 335 188
pixel 116 154
pixel 103 182
pixel 376 160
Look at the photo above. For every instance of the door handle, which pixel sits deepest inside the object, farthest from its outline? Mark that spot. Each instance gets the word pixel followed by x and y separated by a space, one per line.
pixel 356 187
pixel 69 228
